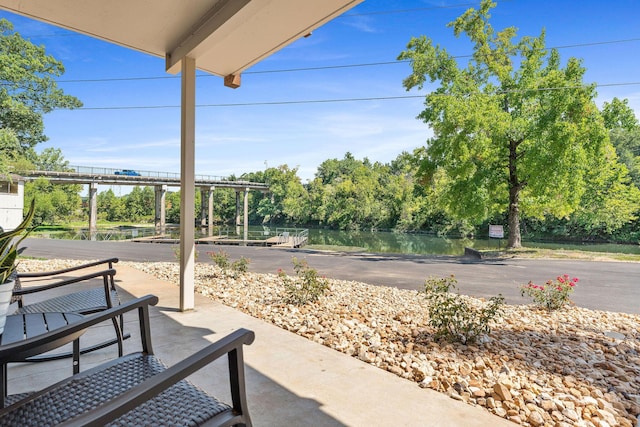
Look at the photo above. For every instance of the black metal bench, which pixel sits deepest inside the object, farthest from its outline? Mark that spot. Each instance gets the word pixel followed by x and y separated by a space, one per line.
pixel 135 389
pixel 89 299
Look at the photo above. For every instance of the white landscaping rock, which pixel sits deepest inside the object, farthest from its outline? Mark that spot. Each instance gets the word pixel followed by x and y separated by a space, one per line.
pixel 565 365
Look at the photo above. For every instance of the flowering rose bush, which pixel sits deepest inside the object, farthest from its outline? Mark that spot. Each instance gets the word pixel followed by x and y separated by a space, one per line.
pixel 554 294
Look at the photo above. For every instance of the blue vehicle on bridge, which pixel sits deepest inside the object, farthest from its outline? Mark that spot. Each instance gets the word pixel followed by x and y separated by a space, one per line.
pixel 127 172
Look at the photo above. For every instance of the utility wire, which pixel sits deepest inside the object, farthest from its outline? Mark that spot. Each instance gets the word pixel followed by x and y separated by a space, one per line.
pixel 327 67
pixel 251 104
pixel 336 100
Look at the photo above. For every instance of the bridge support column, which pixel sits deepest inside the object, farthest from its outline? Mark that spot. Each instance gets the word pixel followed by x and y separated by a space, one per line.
pixel 210 216
pixel 93 210
pixel 237 212
pixel 161 209
pixel 246 215
pixel 203 207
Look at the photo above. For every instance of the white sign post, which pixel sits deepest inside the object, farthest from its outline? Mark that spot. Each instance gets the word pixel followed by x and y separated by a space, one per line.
pixel 496 232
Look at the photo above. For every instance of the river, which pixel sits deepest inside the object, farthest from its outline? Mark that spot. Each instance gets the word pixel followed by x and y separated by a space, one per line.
pixel 427 244
pixel 365 241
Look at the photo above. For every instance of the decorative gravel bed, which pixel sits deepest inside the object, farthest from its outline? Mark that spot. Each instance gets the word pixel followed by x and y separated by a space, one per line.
pixel 572 367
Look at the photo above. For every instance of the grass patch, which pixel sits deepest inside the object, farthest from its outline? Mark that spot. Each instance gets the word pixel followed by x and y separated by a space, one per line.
pixel 336 248
pixel 560 254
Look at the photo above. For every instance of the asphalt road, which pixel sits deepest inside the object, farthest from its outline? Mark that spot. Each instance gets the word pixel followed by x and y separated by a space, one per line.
pixel 609 286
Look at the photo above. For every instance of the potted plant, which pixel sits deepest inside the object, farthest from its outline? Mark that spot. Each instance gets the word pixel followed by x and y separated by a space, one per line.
pixel 9 241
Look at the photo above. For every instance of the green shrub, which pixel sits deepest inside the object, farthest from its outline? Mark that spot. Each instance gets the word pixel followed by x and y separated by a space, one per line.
pixel 306 286
pixel 220 258
pixel 176 252
pixel 454 318
pixel 241 265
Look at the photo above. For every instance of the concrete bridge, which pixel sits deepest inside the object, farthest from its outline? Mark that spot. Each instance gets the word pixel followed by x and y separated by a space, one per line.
pixel 93 176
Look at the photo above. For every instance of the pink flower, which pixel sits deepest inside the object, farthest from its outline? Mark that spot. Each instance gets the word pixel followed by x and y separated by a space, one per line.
pixel 560 279
pixel 575 280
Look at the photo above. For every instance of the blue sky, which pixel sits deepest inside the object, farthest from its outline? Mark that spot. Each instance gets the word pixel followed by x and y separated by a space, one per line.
pixel 237 139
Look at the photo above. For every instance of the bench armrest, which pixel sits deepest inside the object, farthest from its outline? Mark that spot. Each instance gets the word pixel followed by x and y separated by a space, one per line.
pixel 142 304
pixel 109 261
pixel 230 345
pixel 107 275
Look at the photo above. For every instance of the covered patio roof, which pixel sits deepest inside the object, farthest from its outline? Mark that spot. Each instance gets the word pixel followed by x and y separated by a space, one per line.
pixel 225 37
pixel 222 37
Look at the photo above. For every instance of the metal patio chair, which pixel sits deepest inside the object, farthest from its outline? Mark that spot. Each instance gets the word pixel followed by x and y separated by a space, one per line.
pixel 135 389
pixel 85 299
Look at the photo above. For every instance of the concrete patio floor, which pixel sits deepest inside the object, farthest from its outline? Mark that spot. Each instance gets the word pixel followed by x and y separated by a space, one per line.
pixel 290 380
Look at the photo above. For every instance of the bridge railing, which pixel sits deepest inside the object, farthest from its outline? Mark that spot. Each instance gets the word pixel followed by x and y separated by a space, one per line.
pixel 153 174
pixel 97 171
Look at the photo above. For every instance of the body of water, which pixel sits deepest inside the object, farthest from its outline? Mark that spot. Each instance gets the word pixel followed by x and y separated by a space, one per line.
pixel 426 244
pixel 365 241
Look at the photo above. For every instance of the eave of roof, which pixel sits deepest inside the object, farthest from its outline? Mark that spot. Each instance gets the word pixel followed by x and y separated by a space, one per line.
pixel 225 37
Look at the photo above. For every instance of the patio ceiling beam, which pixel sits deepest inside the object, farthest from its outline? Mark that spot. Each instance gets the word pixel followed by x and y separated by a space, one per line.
pixel 210 23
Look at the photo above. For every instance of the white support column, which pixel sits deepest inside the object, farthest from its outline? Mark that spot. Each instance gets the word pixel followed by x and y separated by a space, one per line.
pixel 187 184
pixel 246 215
pixel 93 210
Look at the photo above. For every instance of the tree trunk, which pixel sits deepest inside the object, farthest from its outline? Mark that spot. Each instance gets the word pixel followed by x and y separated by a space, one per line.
pixel 515 240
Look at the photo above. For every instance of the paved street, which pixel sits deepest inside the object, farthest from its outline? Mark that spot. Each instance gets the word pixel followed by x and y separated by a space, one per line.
pixel 610 286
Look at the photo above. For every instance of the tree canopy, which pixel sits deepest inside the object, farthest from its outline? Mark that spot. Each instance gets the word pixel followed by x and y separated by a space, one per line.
pixel 624 131
pixel 54 203
pixel 28 89
pixel 516 130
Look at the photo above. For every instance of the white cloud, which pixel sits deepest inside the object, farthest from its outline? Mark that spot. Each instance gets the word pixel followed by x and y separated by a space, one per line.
pixel 361 23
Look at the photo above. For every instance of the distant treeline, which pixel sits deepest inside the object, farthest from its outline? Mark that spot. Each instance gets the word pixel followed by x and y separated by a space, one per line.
pixel 347 194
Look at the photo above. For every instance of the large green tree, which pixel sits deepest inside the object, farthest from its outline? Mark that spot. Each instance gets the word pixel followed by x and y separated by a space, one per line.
pixel 287 200
pixel 612 197
pixel 353 194
pixel 624 130
pixel 173 200
pixel 54 202
pixel 28 89
pixel 515 130
pixel 111 207
pixel 412 205
pixel 140 203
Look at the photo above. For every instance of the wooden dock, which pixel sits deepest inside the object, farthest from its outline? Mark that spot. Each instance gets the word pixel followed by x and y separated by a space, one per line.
pixel 281 241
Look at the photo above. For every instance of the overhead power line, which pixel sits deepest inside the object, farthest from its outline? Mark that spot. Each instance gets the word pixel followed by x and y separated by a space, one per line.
pixel 336 100
pixel 326 67
pixel 251 104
